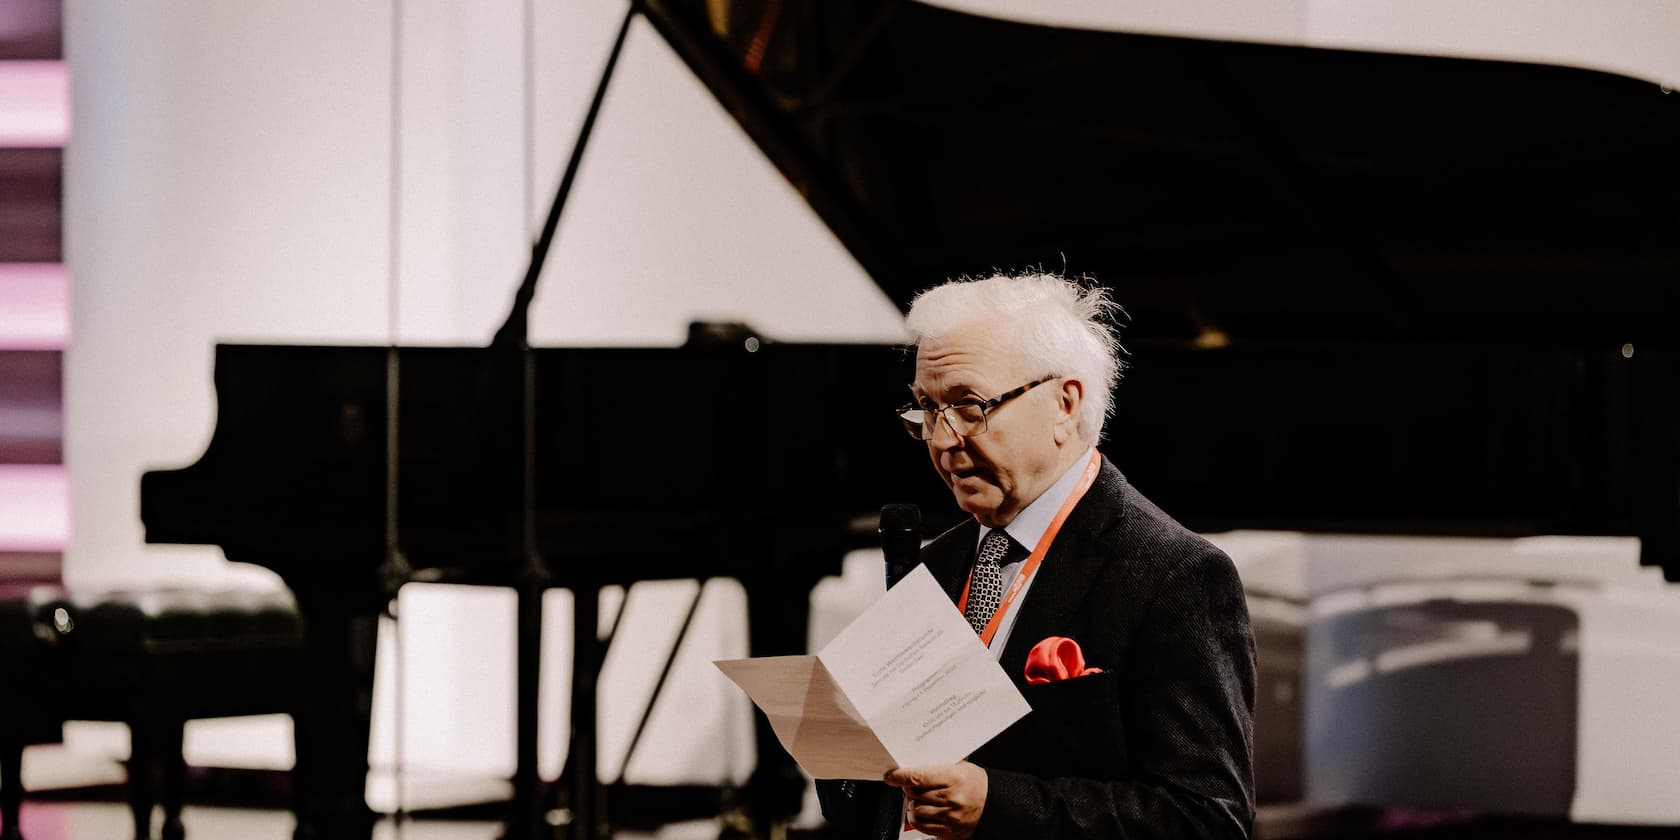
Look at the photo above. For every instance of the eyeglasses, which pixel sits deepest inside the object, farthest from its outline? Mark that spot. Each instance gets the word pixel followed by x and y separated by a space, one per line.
pixel 967 418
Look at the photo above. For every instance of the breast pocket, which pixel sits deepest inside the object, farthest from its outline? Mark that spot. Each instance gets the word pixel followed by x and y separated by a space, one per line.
pixel 1074 729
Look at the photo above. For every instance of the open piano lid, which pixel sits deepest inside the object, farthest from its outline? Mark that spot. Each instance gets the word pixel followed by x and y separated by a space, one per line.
pixel 1430 274
pixel 1273 191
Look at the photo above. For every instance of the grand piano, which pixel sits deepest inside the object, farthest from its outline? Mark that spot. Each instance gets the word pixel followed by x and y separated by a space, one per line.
pixel 1367 293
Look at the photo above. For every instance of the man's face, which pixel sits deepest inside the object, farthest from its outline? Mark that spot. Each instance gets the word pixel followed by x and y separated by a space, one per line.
pixel 996 474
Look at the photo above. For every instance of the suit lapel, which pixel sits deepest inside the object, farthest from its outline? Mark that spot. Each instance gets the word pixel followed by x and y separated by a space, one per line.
pixel 1063 582
pixel 950 556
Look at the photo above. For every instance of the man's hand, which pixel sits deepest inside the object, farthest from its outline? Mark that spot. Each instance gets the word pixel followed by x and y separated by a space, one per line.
pixel 945 800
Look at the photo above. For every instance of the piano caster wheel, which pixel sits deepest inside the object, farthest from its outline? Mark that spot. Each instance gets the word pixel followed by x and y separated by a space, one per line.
pixel 739 825
pixel 772 831
pixel 173 830
pixel 736 824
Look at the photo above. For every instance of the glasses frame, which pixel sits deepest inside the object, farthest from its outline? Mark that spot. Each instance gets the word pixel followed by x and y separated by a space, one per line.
pixel 919 431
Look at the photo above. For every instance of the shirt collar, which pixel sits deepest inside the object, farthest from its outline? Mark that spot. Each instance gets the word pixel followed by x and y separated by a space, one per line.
pixel 1028 527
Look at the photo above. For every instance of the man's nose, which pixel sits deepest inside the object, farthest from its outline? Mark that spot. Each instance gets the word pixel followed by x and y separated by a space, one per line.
pixel 944 434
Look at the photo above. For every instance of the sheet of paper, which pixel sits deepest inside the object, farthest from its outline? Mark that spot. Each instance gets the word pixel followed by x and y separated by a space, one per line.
pixel 906 683
pixel 811 716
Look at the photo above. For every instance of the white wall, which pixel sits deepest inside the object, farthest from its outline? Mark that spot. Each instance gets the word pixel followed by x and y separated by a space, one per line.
pixel 226 181
pixel 229 180
pixel 1632 37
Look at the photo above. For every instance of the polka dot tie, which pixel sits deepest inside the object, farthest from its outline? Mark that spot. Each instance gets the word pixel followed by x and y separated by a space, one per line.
pixel 985 587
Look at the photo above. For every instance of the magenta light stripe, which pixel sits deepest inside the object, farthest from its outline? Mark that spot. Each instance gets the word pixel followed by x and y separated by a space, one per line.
pixel 34 306
pixel 34 104
pixel 34 507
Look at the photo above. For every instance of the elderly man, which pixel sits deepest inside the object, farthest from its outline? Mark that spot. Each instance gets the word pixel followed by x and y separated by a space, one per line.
pixel 1151 734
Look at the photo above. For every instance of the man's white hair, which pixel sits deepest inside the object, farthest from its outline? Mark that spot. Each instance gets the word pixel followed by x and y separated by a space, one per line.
pixel 1059 326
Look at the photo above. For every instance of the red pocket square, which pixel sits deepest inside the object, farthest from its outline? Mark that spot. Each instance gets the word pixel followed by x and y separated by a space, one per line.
pixel 1056 658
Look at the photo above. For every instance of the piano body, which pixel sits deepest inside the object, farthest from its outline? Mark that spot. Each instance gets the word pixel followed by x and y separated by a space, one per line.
pixel 1367 293
pixel 296 479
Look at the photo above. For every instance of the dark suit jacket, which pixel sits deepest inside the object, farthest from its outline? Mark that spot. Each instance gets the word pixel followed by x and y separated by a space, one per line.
pixel 1160 743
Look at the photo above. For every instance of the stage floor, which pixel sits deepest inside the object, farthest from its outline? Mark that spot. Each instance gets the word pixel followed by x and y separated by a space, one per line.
pixel 111 821
pixel 68 820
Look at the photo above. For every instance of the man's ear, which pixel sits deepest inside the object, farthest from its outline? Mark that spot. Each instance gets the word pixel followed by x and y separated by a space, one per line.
pixel 1068 400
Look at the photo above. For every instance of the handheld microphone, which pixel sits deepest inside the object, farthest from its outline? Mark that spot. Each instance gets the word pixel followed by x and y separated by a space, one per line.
pixel 901 540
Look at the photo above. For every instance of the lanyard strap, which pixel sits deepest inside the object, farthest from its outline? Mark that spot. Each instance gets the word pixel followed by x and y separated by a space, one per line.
pixel 1085 481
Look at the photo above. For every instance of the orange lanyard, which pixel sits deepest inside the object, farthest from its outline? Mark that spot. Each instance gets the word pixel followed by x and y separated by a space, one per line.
pixel 1037 556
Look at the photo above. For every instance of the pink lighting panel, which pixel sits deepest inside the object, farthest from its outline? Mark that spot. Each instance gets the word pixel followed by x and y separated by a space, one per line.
pixel 31 29
pixel 34 306
pixel 34 508
pixel 35 116
pixel 34 104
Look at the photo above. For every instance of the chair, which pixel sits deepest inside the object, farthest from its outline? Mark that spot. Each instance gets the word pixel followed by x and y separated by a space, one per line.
pixel 152 659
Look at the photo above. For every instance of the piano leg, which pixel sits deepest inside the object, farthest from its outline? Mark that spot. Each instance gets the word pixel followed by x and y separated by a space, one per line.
pixel 333 718
pixel 589 819
pixel 579 789
pixel 11 789
pixel 525 820
pixel 142 776
pixel 778 623
pixel 172 777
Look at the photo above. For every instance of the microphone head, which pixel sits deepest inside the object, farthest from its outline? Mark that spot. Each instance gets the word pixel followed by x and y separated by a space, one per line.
pixel 901 540
pixel 901 519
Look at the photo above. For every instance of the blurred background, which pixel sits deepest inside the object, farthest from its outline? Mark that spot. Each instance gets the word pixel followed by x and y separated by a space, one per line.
pixel 178 174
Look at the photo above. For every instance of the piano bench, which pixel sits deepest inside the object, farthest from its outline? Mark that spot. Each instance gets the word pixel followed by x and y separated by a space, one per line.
pixel 153 659
pixel 28 706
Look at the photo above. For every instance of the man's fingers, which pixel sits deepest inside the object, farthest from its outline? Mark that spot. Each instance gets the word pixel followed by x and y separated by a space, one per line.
pixel 930 814
pixel 929 819
pixel 923 778
pixel 929 795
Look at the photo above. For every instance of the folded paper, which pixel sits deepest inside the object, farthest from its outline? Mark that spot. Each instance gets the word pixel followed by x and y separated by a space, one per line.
pixel 906 683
